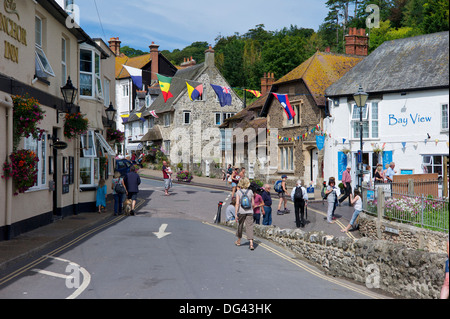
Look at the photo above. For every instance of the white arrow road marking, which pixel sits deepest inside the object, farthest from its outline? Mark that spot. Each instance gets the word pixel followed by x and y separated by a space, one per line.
pixel 161 233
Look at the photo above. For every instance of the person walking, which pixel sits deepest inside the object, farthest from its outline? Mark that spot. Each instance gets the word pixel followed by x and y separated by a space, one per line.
pixel 265 194
pixel 259 204
pixel 299 196
pixel 245 201
pixel 357 202
pixel 132 181
pixel 283 197
pixel 166 177
pixel 101 195
pixel 118 196
pixel 331 198
pixel 347 181
pixel 390 172
pixel 379 174
pixel 234 181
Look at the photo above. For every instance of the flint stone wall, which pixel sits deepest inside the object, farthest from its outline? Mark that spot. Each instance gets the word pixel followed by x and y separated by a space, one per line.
pixel 403 272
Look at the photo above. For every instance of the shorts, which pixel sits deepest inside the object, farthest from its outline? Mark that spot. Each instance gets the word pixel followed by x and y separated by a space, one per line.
pixel 282 195
pixel 132 196
pixel 167 183
pixel 233 184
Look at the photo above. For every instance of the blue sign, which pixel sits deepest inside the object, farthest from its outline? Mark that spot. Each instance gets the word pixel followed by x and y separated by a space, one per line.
pixel 320 141
pixel 342 164
pixel 359 156
pixel 387 158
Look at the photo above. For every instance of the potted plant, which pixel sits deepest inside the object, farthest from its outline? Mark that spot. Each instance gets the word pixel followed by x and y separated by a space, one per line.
pixel 74 125
pixel 23 169
pixel 184 176
pixel 27 114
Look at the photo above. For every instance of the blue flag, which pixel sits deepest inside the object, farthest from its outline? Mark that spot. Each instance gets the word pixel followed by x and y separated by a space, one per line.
pixel 223 94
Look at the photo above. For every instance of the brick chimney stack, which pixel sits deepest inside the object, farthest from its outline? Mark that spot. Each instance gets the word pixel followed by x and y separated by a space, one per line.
pixel 266 82
pixel 187 63
pixel 114 45
pixel 209 57
pixel 154 56
pixel 357 42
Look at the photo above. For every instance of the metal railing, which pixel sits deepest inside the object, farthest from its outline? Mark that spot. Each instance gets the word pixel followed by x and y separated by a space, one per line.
pixel 422 210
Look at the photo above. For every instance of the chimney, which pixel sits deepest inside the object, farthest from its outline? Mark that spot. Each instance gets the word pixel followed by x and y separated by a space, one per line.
pixel 209 57
pixel 154 56
pixel 266 82
pixel 357 42
pixel 187 63
pixel 114 45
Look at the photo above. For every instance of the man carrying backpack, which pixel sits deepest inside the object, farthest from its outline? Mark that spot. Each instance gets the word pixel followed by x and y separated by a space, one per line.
pixel 299 196
pixel 281 189
pixel 244 211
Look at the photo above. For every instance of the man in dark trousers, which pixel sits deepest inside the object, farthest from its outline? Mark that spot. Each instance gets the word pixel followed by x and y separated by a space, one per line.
pixel 347 181
pixel 299 196
pixel 132 181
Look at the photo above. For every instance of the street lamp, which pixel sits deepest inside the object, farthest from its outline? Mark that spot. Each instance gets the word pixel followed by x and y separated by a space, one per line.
pixel 110 113
pixel 69 92
pixel 360 100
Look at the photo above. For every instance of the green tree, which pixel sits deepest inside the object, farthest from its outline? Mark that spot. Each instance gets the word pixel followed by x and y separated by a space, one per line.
pixel 436 14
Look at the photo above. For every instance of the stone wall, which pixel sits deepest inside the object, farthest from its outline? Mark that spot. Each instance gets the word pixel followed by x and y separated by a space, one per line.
pixel 391 267
pixel 408 235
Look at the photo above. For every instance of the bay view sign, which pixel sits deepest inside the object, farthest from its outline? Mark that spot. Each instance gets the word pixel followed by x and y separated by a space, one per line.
pixel 13 30
pixel 404 121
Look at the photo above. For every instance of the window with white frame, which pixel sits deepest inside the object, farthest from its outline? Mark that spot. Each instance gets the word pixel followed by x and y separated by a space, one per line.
pixel 88 162
pixel 151 122
pixel 125 90
pixel 433 164
pixel 63 61
pixel 444 117
pixel 286 158
pixel 39 147
pixel 167 119
pixel 218 118
pixel 369 120
pixel 43 67
pixel 166 147
pixel 296 120
pixel 186 117
pixel 90 73
pixel 106 92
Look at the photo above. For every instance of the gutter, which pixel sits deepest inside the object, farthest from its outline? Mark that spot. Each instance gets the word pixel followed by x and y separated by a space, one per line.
pixel 7 102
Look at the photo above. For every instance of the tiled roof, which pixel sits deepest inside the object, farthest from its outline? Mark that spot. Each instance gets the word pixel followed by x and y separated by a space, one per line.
pixel 320 71
pixel 137 62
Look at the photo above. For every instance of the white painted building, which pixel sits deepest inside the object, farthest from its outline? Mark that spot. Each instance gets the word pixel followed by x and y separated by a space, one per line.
pixel 406 114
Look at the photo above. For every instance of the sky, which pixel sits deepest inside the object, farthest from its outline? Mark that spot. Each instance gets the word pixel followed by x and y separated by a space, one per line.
pixel 175 24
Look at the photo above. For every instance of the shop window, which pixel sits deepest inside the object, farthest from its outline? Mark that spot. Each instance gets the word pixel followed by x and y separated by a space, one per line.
pixel 39 147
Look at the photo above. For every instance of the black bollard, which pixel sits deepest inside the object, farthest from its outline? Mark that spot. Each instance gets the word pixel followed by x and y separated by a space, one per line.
pixel 219 211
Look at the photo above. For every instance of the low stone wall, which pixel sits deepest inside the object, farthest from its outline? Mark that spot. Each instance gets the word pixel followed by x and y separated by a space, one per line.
pixel 388 266
pixel 408 235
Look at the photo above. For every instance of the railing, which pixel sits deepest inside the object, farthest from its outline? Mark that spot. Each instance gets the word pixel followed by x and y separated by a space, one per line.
pixel 386 201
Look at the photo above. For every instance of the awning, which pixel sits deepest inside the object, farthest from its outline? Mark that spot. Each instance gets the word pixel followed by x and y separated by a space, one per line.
pixel 135 147
pixel 105 145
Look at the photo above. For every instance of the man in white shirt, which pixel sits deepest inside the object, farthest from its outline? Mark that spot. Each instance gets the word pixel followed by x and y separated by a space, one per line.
pixel 390 173
pixel 300 201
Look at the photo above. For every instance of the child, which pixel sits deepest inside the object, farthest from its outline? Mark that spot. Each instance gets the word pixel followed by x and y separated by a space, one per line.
pixel 357 203
pixel 101 195
pixel 331 199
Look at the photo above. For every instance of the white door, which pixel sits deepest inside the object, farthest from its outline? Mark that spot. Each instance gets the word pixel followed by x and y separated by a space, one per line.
pixel 315 165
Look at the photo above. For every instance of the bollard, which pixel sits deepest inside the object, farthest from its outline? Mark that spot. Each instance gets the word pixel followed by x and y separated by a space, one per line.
pixel 219 211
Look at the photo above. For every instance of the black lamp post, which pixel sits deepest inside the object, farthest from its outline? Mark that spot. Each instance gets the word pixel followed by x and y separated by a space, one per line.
pixel 69 92
pixel 110 114
pixel 360 100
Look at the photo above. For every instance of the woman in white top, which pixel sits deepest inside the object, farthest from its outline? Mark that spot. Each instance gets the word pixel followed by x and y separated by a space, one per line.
pixel 356 202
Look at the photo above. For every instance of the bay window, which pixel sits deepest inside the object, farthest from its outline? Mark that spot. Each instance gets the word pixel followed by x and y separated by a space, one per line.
pixel 90 73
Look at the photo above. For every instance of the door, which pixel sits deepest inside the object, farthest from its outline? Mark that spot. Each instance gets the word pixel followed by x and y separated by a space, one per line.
pixel 314 165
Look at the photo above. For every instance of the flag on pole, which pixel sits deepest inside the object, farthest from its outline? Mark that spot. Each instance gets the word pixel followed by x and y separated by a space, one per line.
pixel 223 93
pixel 164 84
pixel 255 93
pixel 125 118
pixel 194 93
pixel 136 75
pixel 284 101
pixel 153 113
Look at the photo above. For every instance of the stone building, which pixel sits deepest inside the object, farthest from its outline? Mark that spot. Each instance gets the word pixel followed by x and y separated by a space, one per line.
pixel 298 155
pixel 188 131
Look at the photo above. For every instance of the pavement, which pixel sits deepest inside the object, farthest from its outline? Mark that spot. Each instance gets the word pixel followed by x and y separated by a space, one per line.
pixel 32 242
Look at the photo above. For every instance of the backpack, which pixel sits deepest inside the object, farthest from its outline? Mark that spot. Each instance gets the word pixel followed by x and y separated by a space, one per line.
pixel 324 196
pixel 119 189
pixel 298 195
pixel 245 201
pixel 277 187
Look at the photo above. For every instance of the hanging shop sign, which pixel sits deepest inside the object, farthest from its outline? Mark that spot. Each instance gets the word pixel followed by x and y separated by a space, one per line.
pixel 60 145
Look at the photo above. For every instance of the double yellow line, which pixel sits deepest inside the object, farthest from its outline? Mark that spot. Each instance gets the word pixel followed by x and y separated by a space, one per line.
pixel 308 269
pixel 58 250
pixel 337 222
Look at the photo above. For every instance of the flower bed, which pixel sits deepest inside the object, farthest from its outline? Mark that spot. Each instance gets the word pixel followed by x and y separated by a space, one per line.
pixel 22 169
pixel 184 176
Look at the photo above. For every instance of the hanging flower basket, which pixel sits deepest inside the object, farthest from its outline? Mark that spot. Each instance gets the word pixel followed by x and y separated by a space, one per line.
pixel 23 169
pixel 346 151
pixel 74 125
pixel 184 176
pixel 27 115
pixel 115 136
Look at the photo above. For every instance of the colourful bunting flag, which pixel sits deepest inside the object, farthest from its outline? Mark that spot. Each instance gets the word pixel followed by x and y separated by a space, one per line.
pixel 255 93
pixel 164 84
pixel 136 75
pixel 284 101
pixel 194 93
pixel 223 94
pixel 153 113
